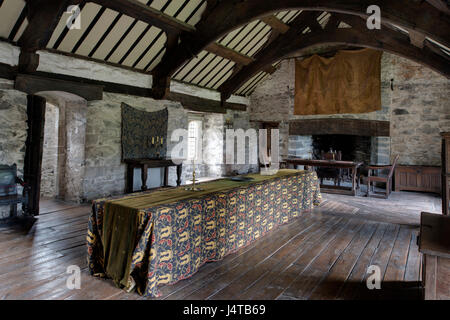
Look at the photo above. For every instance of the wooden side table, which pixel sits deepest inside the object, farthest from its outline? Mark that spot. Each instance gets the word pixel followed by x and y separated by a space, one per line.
pixel 434 244
pixel 144 165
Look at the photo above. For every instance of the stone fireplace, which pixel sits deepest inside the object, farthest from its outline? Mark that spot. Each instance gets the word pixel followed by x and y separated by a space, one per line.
pixel 359 140
pixel 353 148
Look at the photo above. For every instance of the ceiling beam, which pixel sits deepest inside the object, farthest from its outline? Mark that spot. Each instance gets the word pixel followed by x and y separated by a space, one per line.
pixel 232 55
pixel 227 15
pixel 276 24
pixel 442 5
pixel 93 89
pixel 229 54
pixel 43 17
pixel 417 39
pixel 142 12
pixel 386 40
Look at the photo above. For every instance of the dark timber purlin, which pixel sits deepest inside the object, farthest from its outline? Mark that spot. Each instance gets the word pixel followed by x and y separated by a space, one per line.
pixel 246 53
pixel 147 67
pixel 234 47
pixel 92 89
pixel 219 22
pixel 249 89
pixel 143 33
pixel 291 42
pixel 246 40
pixel 124 35
pixel 231 64
pixel 160 33
pixel 213 70
pixel 220 18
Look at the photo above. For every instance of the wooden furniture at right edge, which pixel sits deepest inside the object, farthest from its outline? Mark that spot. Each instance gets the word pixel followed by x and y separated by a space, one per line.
pixel 445 173
pixel 418 178
pixel 434 244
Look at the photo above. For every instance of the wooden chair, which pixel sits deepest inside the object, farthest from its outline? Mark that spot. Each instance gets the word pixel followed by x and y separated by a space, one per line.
pixel 8 189
pixel 387 179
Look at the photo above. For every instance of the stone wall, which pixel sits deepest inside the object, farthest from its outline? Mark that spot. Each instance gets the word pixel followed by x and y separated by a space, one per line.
pixel 105 174
pixel 96 127
pixel 49 175
pixel 240 120
pixel 214 145
pixel 418 108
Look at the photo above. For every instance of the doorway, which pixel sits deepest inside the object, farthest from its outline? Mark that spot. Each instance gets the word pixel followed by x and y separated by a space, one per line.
pixel 55 147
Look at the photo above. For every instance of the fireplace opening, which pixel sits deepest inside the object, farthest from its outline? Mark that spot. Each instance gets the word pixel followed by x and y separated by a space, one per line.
pixel 353 148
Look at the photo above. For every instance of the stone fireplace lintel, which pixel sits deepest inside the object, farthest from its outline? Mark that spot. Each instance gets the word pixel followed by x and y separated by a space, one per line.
pixel 356 127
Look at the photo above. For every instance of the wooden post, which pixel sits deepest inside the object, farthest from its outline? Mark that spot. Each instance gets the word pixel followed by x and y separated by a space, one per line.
pixel 34 148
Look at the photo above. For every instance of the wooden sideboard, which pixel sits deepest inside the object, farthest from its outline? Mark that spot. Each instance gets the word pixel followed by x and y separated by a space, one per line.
pixel 434 244
pixel 418 178
pixel 144 165
pixel 446 173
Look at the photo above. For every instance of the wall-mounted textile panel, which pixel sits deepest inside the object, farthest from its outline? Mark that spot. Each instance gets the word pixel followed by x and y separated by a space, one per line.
pixel 144 134
pixel 349 82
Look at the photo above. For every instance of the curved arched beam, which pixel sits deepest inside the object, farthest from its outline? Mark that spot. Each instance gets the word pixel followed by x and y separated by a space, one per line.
pixel 387 40
pixel 222 17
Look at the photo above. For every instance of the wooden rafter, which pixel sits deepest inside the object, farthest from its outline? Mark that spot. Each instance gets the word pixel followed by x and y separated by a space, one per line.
pixel 442 5
pixel 140 11
pixel 227 15
pixel 276 24
pixel 43 17
pixel 358 35
pixel 421 18
pixel 92 89
pixel 230 54
pixel 416 39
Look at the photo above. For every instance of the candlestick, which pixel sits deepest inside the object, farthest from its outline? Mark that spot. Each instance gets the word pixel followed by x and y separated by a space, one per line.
pixel 193 188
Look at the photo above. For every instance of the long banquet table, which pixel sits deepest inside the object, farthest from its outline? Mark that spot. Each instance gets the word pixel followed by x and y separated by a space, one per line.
pixel 353 166
pixel 149 239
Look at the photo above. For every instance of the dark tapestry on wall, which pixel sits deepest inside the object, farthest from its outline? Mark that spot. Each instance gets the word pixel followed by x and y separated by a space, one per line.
pixel 144 134
pixel 349 82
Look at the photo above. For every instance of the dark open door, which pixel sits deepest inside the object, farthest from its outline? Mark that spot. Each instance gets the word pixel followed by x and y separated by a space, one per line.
pixel 34 149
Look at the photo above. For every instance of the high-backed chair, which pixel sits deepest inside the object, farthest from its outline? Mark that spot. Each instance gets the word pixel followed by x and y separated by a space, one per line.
pixel 385 177
pixel 8 189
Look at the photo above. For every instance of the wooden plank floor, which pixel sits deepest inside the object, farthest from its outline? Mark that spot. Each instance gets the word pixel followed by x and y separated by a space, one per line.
pixel 324 254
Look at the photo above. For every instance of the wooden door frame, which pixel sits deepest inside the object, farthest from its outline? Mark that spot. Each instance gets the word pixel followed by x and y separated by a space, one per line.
pixel 34 147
